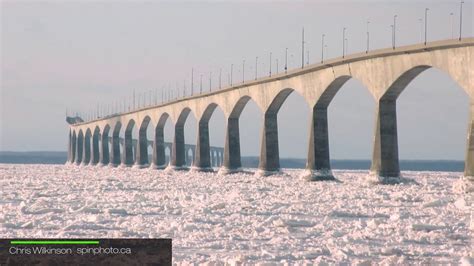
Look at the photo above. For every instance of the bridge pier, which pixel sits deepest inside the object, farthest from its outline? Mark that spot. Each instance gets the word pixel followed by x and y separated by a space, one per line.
pixel 115 155
pixel 127 159
pixel 79 147
pixel 469 161
pixel 202 157
pixel 141 156
pixel 69 149
pixel 73 148
pixel 95 149
pixel 86 154
pixel 318 165
pixel 385 165
pixel 178 158
pixel 269 154
pixel 104 149
pixel 159 157
pixel 232 161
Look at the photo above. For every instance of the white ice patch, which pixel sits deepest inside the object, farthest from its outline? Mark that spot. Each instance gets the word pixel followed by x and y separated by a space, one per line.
pixel 246 219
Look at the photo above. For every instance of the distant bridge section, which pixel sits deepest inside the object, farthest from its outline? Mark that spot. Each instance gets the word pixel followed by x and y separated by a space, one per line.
pixel 385 73
pixel 217 153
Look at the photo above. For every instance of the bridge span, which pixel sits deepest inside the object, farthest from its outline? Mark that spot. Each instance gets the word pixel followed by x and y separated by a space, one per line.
pixel 385 73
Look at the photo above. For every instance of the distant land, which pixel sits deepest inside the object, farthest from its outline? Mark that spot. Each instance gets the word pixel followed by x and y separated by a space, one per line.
pixel 59 157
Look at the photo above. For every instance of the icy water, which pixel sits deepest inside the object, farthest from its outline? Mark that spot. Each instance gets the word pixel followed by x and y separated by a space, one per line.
pixel 244 218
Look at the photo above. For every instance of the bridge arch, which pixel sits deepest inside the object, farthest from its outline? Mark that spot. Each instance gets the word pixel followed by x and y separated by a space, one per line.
pixel 203 156
pixel 141 157
pixel 159 157
pixel 232 158
pixel 79 147
pixel 128 150
pixel 73 146
pixel 87 147
pixel 178 152
pixel 385 159
pixel 95 146
pixel 104 158
pixel 318 164
pixel 115 158
pixel 269 152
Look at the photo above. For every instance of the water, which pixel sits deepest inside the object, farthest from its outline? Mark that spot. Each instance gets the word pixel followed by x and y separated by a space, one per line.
pixel 245 219
pixel 42 157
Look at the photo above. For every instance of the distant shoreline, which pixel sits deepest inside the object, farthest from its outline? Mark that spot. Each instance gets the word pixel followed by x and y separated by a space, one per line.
pixel 59 157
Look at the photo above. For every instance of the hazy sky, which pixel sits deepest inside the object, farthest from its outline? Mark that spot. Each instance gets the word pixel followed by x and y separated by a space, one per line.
pixel 76 54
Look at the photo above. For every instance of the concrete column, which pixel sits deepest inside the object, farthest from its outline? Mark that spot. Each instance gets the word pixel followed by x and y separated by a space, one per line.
pixel 86 154
pixel 318 165
pixel 104 150
pixel 115 156
pixel 202 160
pixel 232 161
pixel 128 150
pixel 95 150
pixel 73 148
pixel 385 166
pixel 159 156
pixel 79 150
pixel 178 159
pixel 269 153
pixel 469 163
pixel 69 149
pixel 141 159
pixel 212 159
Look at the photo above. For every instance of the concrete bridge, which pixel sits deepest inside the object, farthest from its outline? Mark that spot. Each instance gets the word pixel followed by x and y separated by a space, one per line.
pixel 385 73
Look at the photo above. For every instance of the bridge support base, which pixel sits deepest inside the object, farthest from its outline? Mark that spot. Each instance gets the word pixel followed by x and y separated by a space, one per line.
pixel 171 168
pixel 466 185
pixel 202 169
pixel 262 172
pixel 376 178
pixel 140 166
pixel 468 178
pixel 318 175
pixel 158 167
pixel 227 171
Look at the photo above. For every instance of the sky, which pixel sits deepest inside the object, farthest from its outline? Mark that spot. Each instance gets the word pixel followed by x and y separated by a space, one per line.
pixel 73 55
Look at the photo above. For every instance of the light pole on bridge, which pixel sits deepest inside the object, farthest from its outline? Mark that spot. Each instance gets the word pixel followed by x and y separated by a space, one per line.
pixel 394 30
pixel 343 42
pixel 243 71
pixel 200 87
pixel 220 78
pixel 302 49
pixel 460 21
pixel 256 67
pixel 270 73
pixel 451 19
pixel 368 37
pixel 426 24
pixel 322 48
pixel 286 60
